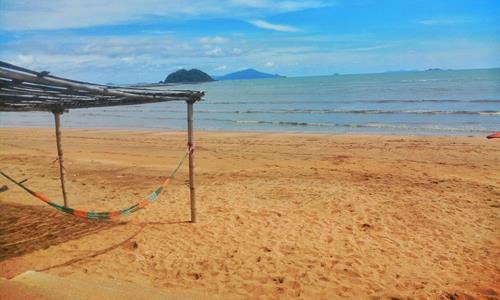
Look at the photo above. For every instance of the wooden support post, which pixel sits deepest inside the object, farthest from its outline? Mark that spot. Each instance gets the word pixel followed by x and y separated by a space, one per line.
pixel 191 160
pixel 57 118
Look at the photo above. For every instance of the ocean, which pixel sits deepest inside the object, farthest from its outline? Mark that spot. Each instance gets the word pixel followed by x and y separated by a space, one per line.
pixel 455 102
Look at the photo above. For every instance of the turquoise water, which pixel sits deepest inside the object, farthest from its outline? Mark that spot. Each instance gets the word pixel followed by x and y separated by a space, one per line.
pixel 460 102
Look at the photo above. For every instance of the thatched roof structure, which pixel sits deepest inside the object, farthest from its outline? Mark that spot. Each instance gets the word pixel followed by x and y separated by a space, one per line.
pixel 27 90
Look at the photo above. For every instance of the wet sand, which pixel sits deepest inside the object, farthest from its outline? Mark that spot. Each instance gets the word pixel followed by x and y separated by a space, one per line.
pixel 280 216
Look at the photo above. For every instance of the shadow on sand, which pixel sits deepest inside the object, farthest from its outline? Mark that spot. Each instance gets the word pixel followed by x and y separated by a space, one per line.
pixel 26 228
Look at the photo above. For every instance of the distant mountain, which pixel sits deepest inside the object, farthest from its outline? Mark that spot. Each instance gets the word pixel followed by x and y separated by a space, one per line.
pixel 185 76
pixel 417 70
pixel 246 74
pixel 401 71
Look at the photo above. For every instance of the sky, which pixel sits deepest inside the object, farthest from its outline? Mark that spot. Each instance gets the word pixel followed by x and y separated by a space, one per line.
pixel 126 41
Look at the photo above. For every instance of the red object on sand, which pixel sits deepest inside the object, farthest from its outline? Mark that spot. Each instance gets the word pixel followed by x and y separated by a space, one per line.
pixel 493 135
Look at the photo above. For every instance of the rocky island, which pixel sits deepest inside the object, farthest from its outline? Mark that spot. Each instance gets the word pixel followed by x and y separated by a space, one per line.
pixel 185 76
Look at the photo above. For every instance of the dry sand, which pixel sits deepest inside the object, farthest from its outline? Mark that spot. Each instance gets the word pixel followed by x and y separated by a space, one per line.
pixel 280 215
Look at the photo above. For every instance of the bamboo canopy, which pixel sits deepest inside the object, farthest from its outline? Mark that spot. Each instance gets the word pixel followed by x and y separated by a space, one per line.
pixel 27 90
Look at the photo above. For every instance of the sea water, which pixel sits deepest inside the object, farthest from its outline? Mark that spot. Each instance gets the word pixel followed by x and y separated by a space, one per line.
pixel 464 102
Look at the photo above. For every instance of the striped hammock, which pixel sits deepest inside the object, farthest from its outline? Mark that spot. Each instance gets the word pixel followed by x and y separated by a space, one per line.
pixel 93 215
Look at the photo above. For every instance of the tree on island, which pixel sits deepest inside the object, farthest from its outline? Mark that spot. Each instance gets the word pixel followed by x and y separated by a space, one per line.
pixel 185 76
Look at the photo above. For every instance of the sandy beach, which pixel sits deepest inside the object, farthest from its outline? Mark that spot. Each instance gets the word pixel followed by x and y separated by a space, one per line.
pixel 280 216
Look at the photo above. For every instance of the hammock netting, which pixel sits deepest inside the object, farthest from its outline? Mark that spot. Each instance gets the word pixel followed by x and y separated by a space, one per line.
pixel 94 215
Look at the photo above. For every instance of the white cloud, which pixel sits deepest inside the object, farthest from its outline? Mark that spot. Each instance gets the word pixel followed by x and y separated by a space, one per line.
pixel 270 26
pixel 128 59
pixel 369 48
pixel 214 52
pixel 450 20
pixel 236 51
pixel 25 59
pixel 283 5
pixel 221 68
pixel 56 62
pixel 104 58
pixel 149 58
pixel 58 14
pixel 213 40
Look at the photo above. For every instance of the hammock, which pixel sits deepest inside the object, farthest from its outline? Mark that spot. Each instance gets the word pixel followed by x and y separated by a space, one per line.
pixel 107 214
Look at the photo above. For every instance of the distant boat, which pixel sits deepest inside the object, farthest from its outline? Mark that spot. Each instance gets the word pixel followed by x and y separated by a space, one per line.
pixel 495 135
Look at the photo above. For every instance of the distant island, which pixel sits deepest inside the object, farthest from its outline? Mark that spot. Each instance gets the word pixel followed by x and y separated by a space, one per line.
pixel 185 76
pixel 416 70
pixel 196 76
pixel 246 74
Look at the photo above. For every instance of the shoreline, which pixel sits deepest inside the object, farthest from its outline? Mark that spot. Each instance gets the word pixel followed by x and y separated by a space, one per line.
pixel 175 130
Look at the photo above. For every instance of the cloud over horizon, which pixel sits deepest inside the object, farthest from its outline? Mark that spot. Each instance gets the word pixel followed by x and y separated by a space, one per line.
pixel 126 41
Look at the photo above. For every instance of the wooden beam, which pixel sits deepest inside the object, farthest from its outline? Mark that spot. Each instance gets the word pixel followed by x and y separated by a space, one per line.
pixel 190 145
pixel 24 90
pixel 57 118
pixel 102 90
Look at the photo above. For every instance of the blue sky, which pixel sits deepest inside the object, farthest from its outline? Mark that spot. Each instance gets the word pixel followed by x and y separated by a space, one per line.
pixel 142 41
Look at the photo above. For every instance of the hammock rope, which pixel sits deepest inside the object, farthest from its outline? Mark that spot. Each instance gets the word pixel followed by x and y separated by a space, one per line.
pixel 93 215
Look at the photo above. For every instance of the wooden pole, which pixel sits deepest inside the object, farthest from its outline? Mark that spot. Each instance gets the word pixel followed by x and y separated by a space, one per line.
pixel 57 118
pixel 191 160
